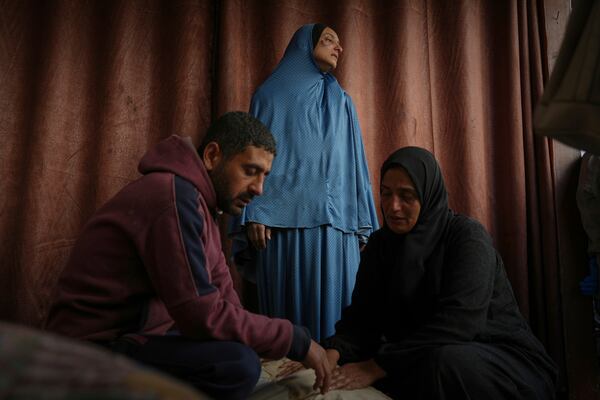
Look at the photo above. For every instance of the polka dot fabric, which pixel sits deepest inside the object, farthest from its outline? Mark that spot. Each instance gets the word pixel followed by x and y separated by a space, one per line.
pixel 307 275
pixel 319 179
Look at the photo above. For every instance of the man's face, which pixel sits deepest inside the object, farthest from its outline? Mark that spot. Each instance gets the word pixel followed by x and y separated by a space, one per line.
pixel 239 178
pixel 328 50
pixel 399 201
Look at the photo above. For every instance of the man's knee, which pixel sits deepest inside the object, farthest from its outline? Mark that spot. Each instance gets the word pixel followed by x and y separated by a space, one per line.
pixel 242 369
pixel 245 363
pixel 232 375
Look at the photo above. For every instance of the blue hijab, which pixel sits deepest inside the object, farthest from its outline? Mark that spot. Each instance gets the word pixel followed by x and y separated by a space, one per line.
pixel 320 175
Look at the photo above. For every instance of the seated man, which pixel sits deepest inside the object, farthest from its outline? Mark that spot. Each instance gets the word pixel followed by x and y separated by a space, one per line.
pixel 433 315
pixel 147 277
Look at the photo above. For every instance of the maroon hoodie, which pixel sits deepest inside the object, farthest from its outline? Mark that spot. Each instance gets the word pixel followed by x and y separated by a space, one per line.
pixel 150 260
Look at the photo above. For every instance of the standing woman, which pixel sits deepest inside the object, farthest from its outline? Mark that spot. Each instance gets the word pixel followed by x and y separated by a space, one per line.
pixel 302 237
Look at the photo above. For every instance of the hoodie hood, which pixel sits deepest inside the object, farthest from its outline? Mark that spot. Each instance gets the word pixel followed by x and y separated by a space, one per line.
pixel 177 155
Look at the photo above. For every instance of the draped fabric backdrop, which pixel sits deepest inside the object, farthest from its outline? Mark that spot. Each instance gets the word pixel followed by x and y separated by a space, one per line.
pixel 87 86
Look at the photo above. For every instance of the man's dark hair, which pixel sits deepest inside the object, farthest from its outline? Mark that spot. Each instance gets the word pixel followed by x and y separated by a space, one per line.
pixel 236 130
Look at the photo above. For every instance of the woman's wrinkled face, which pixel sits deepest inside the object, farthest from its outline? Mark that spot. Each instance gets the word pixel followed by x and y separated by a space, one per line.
pixel 328 50
pixel 399 201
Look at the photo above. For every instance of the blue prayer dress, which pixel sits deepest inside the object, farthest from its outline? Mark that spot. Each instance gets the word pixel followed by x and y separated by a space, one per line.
pixel 317 199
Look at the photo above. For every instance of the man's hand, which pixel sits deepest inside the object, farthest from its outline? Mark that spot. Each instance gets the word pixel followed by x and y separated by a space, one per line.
pixel 316 358
pixel 258 234
pixel 333 356
pixel 356 375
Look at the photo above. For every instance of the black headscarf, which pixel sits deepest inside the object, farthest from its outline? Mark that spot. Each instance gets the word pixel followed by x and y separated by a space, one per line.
pixel 413 251
pixel 316 33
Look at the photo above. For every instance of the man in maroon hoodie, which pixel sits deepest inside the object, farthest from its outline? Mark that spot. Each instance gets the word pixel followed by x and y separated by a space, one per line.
pixel 147 277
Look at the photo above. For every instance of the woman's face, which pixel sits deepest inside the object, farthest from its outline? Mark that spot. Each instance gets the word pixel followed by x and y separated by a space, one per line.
pixel 328 50
pixel 399 201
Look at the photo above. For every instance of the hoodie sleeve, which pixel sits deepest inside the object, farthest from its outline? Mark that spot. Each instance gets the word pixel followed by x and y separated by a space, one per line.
pixel 200 302
pixel 221 279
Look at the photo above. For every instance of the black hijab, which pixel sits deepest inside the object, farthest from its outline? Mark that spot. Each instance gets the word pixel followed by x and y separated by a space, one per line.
pixel 419 252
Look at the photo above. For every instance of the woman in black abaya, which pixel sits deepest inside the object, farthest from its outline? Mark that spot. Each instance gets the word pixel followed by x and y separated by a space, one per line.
pixel 433 315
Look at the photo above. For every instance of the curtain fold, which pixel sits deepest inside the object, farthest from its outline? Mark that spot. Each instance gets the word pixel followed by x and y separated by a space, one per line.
pixel 542 275
pixel 87 87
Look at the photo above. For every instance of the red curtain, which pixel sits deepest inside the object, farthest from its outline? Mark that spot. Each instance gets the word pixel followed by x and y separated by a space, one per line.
pixel 87 87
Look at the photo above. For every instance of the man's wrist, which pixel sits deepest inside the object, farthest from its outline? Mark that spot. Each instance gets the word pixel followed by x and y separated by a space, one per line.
pixel 300 343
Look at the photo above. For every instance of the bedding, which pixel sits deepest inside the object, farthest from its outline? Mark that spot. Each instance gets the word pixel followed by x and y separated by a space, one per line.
pixel 298 386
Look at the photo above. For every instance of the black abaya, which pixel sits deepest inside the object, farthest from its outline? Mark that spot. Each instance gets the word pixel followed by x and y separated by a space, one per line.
pixel 434 307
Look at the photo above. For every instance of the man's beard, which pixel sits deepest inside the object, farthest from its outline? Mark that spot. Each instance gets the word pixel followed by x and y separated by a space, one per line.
pixel 224 198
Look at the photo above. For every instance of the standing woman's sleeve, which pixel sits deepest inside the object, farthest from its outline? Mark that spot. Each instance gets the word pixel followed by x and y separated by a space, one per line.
pixel 367 213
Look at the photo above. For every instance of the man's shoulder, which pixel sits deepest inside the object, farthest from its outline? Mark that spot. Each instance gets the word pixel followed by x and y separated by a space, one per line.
pixel 152 192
